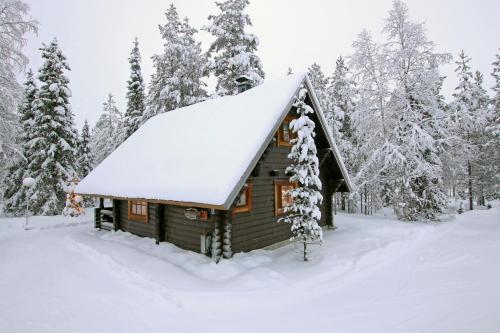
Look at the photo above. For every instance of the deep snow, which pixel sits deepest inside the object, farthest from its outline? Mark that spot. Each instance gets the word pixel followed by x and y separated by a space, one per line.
pixel 373 274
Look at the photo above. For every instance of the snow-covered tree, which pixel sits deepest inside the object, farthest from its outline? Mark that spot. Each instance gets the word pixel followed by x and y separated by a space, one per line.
pixel 55 138
pixel 495 116
pixel 15 23
pixel 85 160
pixel 233 50
pixel 368 65
pixel 406 162
pixel 14 193
pixel 320 83
pixel 340 110
pixel 303 213
pixel 106 134
pixel 179 70
pixel 468 118
pixel 135 94
pixel 74 205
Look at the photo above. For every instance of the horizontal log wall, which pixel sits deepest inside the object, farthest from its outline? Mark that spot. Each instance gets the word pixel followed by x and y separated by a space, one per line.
pixel 259 227
pixel 135 227
pixel 183 232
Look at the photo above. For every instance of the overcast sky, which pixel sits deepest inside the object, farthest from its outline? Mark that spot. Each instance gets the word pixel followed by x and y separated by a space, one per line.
pixel 96 36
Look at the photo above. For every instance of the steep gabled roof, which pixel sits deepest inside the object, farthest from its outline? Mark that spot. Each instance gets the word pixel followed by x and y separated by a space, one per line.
pixel 202 154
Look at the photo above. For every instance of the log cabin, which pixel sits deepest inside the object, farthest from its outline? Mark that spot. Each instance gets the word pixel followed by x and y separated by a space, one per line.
pixel 211 177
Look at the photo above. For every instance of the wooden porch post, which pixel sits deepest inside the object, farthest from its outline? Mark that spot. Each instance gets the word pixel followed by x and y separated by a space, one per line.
pixel 116 215
pixel 97 218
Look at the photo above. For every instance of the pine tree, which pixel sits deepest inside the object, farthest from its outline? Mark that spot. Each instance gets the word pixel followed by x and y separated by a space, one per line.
pixel 14 193
pixel 179 70
pixel 135 94
pixel 233 50
pixel 106 134
pixel 55 140
pixel 303 213
pixel 289 71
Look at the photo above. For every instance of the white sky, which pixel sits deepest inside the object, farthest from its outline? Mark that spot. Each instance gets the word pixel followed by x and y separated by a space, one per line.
pixel 96 36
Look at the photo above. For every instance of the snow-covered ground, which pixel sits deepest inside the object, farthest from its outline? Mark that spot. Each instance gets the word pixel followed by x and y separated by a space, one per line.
pixel 373 274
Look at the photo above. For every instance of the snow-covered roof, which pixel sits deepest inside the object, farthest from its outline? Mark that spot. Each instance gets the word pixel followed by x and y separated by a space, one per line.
pixel 201 154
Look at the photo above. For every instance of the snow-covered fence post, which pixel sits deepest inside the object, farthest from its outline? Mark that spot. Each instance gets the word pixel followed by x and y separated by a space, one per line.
pixel 303 213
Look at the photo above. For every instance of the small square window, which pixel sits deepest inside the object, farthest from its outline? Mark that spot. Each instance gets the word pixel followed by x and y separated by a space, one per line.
pixel 138 211
pixel 282 197
pixel 285 134
pixel 244 202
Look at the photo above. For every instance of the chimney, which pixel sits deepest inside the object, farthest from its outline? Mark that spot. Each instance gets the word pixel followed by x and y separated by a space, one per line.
pixel 243 83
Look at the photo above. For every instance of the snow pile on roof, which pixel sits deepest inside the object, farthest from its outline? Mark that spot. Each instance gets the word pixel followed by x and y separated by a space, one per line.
pixel 197 153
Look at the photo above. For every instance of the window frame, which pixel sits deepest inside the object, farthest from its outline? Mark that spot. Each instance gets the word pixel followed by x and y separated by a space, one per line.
pixel 278 195
pixel 138 217
pixel 280 134
pixel 248 194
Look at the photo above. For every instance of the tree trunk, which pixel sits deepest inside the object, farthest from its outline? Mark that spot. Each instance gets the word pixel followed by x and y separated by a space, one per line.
pixel 305 251
pixel 469 169
pixel 361 200
pixel 366 201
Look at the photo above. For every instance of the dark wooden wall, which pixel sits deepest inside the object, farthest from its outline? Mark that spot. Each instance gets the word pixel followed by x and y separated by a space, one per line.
pixel 259 227
pixel 183 232
pixel 135 227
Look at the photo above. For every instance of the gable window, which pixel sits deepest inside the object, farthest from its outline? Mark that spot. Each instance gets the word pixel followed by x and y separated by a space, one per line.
pixel 282 197
pixel 244 202
pixel 285 134
pixel 138 211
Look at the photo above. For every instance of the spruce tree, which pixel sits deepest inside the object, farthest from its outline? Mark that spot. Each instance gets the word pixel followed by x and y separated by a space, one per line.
pixel 55 140
pixel 319 82
pixel 135 94
pixel 341 94
pixel 85 160
pixel 303 214
pixel 179 70
pixel 14 193
pixel 106 134
pixel 468 118
pixel 486 163
pixel 233 50
pixel 495 114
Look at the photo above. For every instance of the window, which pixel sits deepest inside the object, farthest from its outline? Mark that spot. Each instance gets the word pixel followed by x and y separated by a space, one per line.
pixel 244 203
pixel 282 197
pixel 138 211
pixel 285 134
